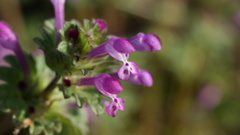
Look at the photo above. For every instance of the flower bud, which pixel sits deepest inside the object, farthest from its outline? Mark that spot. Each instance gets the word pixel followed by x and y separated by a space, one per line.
pixel 102 24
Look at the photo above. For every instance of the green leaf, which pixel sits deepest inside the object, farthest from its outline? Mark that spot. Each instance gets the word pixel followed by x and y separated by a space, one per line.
pixel 57 61
pixel 11 98
pixel 41 43
pixel 50 24
pixel 67 93
pixel 12 60
pixel 80 100
pixel 94 100
pixel 85 46
pixel 66 48
pixel 10 75
pixel 19 116
pixel 47 124
pixel 87 24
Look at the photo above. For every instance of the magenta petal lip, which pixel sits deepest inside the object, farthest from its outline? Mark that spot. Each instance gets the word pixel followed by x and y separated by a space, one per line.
pixel 113 107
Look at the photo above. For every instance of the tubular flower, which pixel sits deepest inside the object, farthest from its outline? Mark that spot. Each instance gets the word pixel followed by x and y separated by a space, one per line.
pixel 59 13
pixel 119 49
pixel 146 42
pixel 108 86
pixel 9 40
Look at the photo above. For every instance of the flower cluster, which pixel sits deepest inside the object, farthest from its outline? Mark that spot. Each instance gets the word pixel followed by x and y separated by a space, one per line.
pixel 119 49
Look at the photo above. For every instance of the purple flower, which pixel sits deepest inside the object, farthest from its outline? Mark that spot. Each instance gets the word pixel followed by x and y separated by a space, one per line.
pixel 102 24
pixel 59 13
pixel 146 42
pixel 108 86
pixel 9 40
pixel 119 49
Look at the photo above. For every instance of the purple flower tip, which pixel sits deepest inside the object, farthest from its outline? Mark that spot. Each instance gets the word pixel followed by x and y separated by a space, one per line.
pixel 107 85
pixel 73 34
pixel 8 39
pixel 143 78
pixel 123 46
pixel 6 32
pixel 146 42
pixel 102 24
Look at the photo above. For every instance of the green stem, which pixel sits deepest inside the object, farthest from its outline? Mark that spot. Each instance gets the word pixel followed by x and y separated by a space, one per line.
pixel 51 86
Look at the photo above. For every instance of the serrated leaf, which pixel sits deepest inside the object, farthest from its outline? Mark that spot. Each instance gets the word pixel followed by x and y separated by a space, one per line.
pixel 10 98
pixel 63 47
pixel 85 46
pixel 80 100
pixel 87 24
pixel 48 124
pixel 19 116
pixel 10 75
pixel 66 92
pixel 12 60
pixel 94 100
pixel 57 61
pixel 50 23
pixel 41 43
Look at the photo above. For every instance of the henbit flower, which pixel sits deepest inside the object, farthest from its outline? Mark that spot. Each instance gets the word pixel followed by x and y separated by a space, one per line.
pixel 108 86
pixel 119 49
pixel 102 24
pixel 9 40
pixel 59 13
pixel 146 42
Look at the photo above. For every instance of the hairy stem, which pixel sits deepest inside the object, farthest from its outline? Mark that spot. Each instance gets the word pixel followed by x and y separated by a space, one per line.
pixel 51 86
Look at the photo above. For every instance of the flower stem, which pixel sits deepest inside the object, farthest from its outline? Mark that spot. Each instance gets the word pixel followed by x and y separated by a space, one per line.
pixel 51 86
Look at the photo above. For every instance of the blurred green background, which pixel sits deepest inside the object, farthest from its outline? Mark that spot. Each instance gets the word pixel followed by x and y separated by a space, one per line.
pixel 196 74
